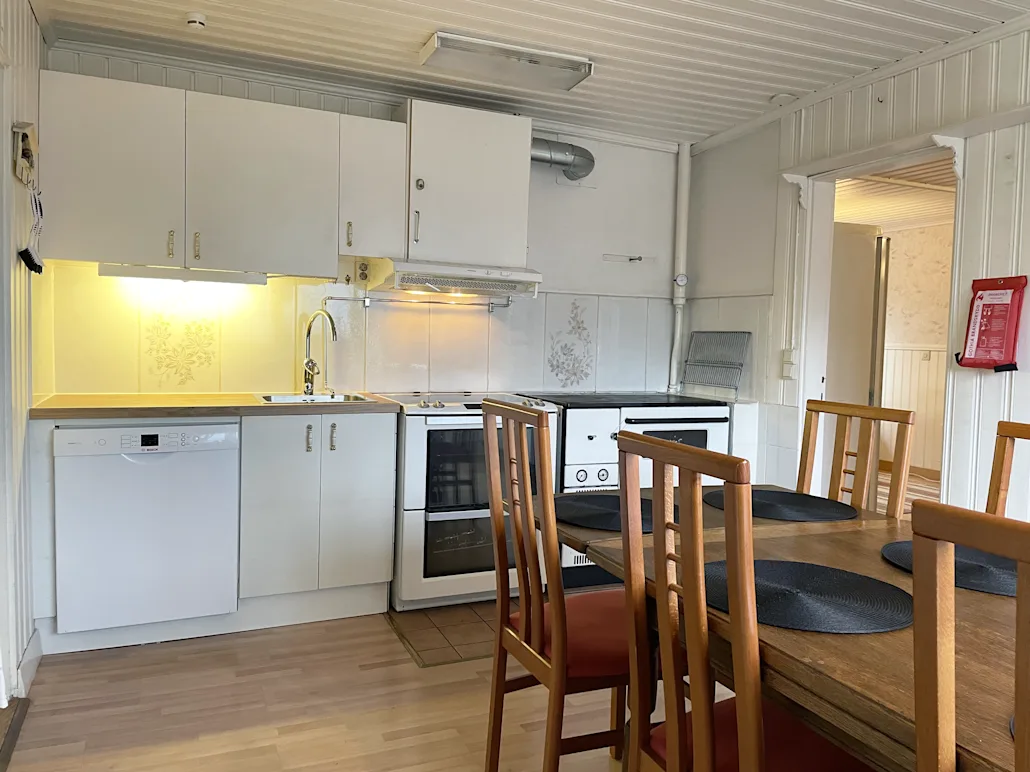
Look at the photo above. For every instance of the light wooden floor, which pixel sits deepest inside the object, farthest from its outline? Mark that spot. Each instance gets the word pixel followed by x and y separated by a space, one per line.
pixel 338 696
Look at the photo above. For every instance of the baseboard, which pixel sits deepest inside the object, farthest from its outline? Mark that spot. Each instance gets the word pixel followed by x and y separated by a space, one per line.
pixel 921 471
pixel 20 706
pixel 30 663
pixel 253 614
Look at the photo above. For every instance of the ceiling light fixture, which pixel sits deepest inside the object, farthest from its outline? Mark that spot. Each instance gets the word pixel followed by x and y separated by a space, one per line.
pixel 486 60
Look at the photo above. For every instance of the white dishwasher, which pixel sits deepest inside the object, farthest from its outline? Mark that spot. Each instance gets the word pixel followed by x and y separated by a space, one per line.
pixel 147 524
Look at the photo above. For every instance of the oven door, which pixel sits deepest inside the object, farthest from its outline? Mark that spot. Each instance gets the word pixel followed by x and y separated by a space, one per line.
pixel 447 542
pixel 699 427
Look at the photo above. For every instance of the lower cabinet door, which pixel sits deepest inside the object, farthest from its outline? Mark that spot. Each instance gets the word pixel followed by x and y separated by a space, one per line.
pixel 279 504
pixel 359 461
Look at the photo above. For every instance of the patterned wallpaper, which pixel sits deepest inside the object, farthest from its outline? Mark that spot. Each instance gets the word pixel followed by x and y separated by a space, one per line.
pixel 919 287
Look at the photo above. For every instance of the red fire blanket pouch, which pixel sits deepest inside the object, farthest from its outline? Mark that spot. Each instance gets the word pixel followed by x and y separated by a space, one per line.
pixel 993 328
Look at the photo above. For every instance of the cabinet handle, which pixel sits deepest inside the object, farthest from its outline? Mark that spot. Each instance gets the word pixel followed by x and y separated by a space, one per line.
pixel 171 245
pixel 311 429
pixel 332 437
pixel 350 234
pixel 196 245
pixel 418 218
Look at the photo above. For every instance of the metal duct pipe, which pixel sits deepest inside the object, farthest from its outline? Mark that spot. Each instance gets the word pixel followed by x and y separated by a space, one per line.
pixel 679 270
pixel 575 162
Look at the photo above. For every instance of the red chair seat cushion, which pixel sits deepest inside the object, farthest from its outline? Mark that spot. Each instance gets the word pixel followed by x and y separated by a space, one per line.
pixel 597 634
pixel 790 746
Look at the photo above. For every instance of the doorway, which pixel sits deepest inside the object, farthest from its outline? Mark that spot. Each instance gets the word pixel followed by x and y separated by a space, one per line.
pixel 890 290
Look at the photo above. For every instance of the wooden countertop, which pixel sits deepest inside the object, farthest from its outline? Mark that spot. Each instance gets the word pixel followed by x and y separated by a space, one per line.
pixel 66 406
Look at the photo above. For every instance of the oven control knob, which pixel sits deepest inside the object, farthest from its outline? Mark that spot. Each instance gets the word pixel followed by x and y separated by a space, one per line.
pixel 602 474
pixel 581 475
pixel 423 403
pixel 615 436
pixel 438 404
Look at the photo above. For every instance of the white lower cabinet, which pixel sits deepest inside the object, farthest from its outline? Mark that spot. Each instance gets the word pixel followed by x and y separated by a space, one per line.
pixel 359 461
pixel 316 502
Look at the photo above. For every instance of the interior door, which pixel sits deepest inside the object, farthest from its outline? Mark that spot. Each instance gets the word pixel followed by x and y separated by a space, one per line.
pixel 113 170
pixel 262 187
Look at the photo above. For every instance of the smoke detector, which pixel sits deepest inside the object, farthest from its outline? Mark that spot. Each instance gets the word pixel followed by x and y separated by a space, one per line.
pixel 196 20
pixel 781 100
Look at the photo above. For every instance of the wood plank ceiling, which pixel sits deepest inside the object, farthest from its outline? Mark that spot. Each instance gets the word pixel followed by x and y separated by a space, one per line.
pixel 667 69
pixel 914 197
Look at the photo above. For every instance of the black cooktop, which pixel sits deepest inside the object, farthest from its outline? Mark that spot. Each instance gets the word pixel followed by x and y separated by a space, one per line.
pixel 623 399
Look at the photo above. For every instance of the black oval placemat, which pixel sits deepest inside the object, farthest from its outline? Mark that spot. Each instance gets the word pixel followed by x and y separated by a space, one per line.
pixel 818 599
pixel 789 505
pixel 974 570
pixel 600 511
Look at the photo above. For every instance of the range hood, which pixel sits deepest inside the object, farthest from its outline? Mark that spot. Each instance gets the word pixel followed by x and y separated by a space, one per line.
pixel 453 279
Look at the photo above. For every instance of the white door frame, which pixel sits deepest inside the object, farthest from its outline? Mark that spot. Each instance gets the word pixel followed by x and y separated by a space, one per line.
pixel 814 252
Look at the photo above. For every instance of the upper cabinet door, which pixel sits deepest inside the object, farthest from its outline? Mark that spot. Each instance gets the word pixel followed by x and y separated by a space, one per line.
pixel 262 182
pixel 373 176
pixel 468 186
pixel 112 169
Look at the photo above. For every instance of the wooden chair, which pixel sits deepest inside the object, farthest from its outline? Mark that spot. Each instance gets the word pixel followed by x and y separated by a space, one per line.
pixel 866 457
pixel 936 529
pixel 731 734
pixel 569 644
pixel 1001 469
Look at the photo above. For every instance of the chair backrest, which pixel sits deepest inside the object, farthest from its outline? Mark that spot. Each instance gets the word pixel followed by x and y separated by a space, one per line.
pixel 1001 469
pixel 866 456
pixel 936 529
pixel 680 594
pixel 508 474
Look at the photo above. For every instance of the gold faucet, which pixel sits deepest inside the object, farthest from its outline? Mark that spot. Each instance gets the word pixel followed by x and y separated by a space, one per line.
pixel 310 365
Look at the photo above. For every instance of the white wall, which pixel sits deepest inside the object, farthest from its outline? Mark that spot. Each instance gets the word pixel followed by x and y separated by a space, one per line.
pixel 21 45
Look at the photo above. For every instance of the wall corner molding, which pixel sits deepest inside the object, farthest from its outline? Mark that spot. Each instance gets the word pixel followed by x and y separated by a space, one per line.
pixel 958 146
pixel 804 188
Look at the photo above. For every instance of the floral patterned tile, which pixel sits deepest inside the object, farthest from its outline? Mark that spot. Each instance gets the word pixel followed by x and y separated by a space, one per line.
pixel 570 343
pixel 179 353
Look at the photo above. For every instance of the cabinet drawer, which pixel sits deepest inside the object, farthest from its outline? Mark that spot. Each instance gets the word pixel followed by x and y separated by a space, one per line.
pixel 590 436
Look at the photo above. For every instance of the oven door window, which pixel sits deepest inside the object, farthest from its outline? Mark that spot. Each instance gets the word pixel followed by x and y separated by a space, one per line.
pixel 464 546
pixel 456 470
pixel 696 438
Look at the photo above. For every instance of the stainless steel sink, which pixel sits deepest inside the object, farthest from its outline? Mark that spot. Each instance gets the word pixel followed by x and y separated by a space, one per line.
pixel 302 398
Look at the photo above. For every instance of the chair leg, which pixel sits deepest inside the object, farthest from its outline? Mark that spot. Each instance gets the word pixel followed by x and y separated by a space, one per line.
pixel 619 720
pixel 493 739
pixel 552 733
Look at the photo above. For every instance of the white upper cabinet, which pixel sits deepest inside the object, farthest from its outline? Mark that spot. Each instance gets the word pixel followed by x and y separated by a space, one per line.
pixel 261 186
pixel 112 170
pixel 373 179
pixel 468 194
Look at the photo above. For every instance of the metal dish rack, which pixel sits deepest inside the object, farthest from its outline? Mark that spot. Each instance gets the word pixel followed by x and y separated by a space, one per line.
pixel 716 359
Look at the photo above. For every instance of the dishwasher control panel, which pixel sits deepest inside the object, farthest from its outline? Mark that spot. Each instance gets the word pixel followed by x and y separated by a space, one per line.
pixel 144 439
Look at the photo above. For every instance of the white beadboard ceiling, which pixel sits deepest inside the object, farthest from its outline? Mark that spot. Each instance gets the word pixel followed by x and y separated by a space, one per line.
pixel 667 69
pixel 914 197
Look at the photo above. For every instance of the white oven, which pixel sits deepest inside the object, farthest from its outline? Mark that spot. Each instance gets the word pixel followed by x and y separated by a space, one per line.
pixel 444 546
pixel 699 427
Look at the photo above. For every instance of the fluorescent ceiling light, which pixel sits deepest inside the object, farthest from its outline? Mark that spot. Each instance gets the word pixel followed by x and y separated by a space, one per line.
pixel 180 274
pixel 485 60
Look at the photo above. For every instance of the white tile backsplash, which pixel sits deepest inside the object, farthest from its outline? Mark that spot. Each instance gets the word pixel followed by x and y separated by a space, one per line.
pixel 516 360
pixel 621 344
pixel 570 343
pixel 397 357
pixel 659 344
pixel 459 348
pixel 347 356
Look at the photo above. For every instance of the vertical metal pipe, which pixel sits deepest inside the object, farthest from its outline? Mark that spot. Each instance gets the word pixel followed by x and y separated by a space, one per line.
pixel 679 270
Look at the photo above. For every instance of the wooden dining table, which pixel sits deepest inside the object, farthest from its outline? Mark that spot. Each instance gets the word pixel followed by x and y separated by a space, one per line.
pixel 857 689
